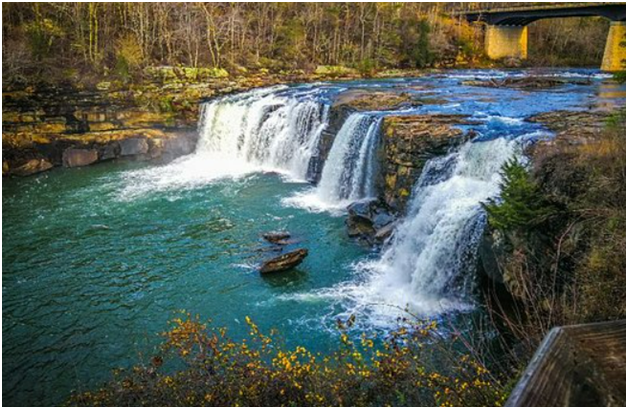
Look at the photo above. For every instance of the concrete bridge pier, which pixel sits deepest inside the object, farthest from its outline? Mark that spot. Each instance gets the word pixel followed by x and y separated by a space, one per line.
pixel 615 51
pixel 507 42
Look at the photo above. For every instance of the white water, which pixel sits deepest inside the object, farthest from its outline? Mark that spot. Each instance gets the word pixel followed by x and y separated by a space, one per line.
pixel 348 173
pixel 255 131
pixel 423 267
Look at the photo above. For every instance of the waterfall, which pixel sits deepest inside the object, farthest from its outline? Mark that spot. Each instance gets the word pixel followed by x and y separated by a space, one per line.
pixel 348 173
pixel 273 129
pixel 424 265
pixel 266 132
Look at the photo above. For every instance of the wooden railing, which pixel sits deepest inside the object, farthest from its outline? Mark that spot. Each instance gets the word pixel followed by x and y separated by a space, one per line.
pixel 578 365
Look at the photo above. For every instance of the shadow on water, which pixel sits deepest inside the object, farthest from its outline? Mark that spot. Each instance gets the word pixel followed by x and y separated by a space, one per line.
pixel 292 277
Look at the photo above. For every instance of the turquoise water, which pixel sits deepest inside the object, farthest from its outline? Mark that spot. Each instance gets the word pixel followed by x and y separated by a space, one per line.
pixel 90 279
pixel 97 259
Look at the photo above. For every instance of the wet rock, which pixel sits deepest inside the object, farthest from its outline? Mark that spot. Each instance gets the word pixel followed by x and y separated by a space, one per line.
pixel 79 157
pixel 284 262
pixel 276 237
pixel 366 218
pixel 527 83
pixel 385 232
pixel 133 147
pixel 32 167
pixel 575 126
pixel 408 142
pixel 337 115
pixel 368 100
pixel 110 151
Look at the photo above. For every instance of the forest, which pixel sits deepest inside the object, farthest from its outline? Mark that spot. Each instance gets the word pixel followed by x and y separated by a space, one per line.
pixel 66 41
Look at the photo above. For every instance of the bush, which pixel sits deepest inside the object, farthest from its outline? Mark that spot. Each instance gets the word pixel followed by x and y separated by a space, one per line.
pixel 564 234
pixel 258 371
pixel 522 204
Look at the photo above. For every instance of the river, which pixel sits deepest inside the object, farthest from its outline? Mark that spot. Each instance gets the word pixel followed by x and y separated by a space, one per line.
pixel 97 259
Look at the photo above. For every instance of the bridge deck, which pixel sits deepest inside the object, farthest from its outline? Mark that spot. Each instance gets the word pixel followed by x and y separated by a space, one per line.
pixel 521 16
pixel 536 7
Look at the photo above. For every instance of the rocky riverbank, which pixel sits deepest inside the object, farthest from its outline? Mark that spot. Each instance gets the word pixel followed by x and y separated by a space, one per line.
pixel 573 174
pixel 70 125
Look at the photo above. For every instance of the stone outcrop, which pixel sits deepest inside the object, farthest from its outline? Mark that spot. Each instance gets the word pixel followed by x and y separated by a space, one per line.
pixel 284 262
pixel 70 127
pixel 73 157
pixel 370 221
pixel 407 143
pixel 526 83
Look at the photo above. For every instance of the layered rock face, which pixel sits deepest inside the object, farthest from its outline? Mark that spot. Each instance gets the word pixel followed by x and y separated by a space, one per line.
pixel 66 127
pixel 407 143
pixel 345 104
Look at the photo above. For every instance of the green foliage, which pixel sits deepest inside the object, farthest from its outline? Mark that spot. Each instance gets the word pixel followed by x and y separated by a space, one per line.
pixel 620 77
pixel 522 203
pixel 367 67
pixel 572 269
pixel 214 370
pixel 42 34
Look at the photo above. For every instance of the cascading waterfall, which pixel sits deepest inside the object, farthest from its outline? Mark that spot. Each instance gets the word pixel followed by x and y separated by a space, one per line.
pixel 422 267
pixel 348 173
pixel 269 129
pixel 271 132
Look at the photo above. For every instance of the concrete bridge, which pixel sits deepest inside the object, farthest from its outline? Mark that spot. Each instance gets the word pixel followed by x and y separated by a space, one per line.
pixel 507 31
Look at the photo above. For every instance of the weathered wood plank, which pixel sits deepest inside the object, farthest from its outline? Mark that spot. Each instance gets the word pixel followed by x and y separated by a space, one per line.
pixel 579 365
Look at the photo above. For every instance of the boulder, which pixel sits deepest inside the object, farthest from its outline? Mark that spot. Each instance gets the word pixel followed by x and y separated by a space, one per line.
pixel 284 262
pixel 385 232
pixel 32 167
pixel 276 237
pixel 367 218
pixel 73 157
pixel 110 151
pixel 133 147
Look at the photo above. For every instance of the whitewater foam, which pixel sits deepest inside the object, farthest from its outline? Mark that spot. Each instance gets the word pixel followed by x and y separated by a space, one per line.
pixel 423 268
pixel 265 130
pixel 348 173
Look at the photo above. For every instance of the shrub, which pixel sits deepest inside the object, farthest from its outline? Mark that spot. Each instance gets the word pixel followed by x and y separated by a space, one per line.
pixel 522 203
pixel 214 370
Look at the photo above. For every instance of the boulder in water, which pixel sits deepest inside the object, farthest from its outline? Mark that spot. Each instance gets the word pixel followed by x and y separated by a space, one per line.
pixel 284 262
pixel 368 218
pixel 32 167
pixel 133 147
pixel 385 232
pixel 276 237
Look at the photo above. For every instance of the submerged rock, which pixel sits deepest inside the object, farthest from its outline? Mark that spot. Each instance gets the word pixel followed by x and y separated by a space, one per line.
pixel 525 82
pixel 284 262
pixel 275 237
